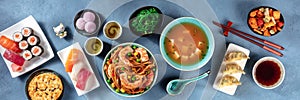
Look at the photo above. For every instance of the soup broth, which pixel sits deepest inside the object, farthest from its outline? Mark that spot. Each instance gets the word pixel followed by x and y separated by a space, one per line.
pixel 186 44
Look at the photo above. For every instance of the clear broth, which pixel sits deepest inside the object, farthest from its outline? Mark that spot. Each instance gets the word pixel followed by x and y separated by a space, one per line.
pixel 186 44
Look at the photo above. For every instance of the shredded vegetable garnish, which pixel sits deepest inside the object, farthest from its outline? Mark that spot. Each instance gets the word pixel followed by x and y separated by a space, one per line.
pixel 146 21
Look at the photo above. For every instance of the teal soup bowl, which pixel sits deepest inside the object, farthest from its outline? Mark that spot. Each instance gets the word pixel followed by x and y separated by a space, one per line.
pixel 187 44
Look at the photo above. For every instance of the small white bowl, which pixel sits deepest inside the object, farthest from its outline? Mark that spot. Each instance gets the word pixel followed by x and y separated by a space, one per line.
pixel 281 69
pixel 93 39
pixel 109 23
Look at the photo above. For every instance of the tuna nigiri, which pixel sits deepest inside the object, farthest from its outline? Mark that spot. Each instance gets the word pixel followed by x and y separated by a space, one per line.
pixel 9 44
pixel 82 78
pixel 74 56
pixel 16 68
pixel 13 57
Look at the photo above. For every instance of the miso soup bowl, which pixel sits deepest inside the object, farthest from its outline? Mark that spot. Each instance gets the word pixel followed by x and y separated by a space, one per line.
pixel 206 30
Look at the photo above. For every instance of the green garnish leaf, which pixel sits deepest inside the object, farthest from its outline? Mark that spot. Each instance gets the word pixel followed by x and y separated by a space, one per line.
pixel 122 68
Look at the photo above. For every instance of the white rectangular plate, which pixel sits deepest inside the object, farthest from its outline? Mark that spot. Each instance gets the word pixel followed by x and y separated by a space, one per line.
pixel 231 89
pixel 63 55
pixel 36 61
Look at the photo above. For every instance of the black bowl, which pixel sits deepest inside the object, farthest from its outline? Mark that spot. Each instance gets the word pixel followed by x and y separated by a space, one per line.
pixel 97 22
pixel 40 72
pixel 134 16
pixel 257 8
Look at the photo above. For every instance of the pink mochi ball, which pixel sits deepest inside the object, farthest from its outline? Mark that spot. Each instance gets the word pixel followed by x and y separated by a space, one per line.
pixel 90 27
pixel 89 16
pixel 80 23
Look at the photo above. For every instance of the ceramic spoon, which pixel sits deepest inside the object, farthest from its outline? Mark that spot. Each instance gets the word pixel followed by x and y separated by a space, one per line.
pixel 176 86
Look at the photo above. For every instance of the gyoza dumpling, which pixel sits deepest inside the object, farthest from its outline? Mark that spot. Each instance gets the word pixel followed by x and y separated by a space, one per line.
pixel 228 81
pixel 232 69
pixel 234 56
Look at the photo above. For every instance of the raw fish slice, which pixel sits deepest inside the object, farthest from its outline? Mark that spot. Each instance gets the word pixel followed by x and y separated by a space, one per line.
pixel 73 57
pixel 13 57
pixel 82 78
pixel 16 68
pixel 10 44
pixel 76 69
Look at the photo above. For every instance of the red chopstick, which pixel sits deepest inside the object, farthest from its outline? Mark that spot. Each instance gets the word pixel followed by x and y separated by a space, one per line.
pixel 241 34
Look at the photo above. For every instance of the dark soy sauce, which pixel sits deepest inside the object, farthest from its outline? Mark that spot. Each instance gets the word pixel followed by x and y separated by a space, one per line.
pixel 268 73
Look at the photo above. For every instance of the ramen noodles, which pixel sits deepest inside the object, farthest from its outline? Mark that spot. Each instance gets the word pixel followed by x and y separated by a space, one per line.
pixel 130 70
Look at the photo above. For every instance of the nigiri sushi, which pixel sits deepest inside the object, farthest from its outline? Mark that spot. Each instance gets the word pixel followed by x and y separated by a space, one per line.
pixel 73 57
pixel 13 57
pixel 9 44
pixel 82 78
pixel 16 68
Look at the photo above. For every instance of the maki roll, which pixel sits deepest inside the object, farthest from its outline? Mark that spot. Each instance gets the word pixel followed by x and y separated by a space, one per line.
pixel 23 45
pixel 17 36
pixel 37 50
pixel 26 31
pixel 33 40
pixel 27 55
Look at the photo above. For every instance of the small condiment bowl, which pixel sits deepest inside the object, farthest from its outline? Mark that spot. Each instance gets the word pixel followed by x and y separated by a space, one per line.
pixel 97 22
pixel 282 74
pixel 111 24
pixel 89 42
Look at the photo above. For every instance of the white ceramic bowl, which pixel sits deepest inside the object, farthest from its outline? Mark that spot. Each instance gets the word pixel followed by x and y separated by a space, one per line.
pixel 281 69
pixel 92 39
pixel 118 35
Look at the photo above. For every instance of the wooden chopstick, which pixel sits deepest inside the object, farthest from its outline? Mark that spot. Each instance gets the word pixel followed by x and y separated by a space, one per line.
pixel 251 36
pixel 250 40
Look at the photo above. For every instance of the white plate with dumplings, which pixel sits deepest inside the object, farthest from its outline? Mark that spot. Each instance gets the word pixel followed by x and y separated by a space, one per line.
pixel 231 69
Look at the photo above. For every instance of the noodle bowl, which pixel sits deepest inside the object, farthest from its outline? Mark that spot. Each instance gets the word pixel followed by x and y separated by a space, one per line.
pixel 129 70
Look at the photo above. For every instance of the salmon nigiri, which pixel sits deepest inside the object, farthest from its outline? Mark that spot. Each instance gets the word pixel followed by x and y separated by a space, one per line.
pixel 74 56
pixel 9 44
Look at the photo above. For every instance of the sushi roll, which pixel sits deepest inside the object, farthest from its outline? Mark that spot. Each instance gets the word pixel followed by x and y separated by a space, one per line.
pixel 23 45
pixel 27 55
pixel 17 36
pixel 33 40
pixel 37 50
pixel 26 31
